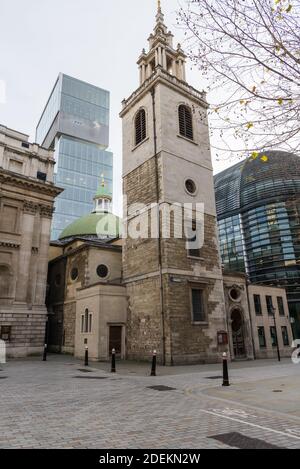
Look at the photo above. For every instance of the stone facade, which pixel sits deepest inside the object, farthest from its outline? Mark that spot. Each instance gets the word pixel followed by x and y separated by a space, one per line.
pixel 27 193
pixel 245 319
pixel 159 273
pixel 74 287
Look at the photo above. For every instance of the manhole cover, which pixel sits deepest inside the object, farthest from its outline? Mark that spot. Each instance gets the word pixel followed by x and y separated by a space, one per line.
pixel 90 377
pixel 161 388
pixel 214 377
pixel 277 390
pixel 84 370
pixel 240 441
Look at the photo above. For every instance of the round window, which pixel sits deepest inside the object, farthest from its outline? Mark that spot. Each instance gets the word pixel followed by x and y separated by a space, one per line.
pixel 190 186
pixel 102 271
pixel 235 294
pixel 74 273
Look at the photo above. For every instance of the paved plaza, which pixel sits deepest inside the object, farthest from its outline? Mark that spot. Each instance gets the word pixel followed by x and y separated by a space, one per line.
pixel 62 404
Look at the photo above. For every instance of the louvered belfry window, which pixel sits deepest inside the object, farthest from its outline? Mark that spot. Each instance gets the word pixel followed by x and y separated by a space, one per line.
pixel 140 126
pixel 185 122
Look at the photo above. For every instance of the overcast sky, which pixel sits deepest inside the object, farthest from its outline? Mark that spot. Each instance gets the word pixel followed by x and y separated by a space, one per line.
pixel 97 41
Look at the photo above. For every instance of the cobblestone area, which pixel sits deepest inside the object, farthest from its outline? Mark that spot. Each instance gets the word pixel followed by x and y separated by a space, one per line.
pixel 55 405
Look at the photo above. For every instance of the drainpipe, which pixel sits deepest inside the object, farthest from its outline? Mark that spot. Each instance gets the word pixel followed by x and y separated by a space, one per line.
pixel 159 230
pixel 250 316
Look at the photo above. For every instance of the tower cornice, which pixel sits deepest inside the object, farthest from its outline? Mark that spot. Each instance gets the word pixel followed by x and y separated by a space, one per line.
pixel 161 76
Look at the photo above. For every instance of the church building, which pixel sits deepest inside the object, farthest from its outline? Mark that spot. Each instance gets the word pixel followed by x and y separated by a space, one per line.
pixel 159 284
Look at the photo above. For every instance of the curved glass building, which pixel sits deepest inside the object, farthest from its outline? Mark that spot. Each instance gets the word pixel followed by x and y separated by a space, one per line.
pixel 258 209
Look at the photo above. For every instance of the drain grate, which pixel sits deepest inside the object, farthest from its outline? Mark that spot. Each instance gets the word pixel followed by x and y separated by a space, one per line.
pixel 90 377
pixel 243 442
pixel 160 387
pixel 3 377
pixel 277 390
pixel 84 370
pixel 214 377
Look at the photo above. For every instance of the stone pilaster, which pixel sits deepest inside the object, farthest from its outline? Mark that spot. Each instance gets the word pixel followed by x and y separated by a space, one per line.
pixel 28 216
pixel 40 291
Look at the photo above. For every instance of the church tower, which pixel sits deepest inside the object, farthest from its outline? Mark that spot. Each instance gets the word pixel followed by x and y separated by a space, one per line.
pixel 176 300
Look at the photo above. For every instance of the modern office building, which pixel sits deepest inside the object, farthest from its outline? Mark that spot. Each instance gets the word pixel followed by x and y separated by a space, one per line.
pixel 75 123
pixel 258 209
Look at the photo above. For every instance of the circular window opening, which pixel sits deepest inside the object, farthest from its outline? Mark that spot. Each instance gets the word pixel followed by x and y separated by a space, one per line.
pixel 102 271
pixel 74 273
pixel 58 280
pixel 190 186
pixel 235 294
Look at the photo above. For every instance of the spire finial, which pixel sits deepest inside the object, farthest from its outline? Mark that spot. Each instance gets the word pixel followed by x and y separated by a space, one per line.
pixel 159 14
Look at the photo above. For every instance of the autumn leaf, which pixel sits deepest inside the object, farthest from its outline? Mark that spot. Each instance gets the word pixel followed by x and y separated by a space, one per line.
pixel 280 101
pixel 249 125
pixel 254 155
pixel 264 159
pixel 289 8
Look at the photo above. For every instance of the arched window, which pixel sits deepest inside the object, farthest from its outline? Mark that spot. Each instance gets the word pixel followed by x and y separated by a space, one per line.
pixel 140 126
pixel 185 122
pixel 86 322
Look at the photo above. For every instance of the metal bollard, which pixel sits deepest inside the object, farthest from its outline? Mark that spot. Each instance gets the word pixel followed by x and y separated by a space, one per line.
pixel 225 370
pixel 113 360
pixel 45 353
pixel 153 368
pixel 86 356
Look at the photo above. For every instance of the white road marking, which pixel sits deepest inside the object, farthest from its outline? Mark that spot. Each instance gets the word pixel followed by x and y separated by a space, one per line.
pixel 278 432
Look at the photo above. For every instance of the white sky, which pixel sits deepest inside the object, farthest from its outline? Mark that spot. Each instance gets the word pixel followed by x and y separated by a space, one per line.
pixel 97 41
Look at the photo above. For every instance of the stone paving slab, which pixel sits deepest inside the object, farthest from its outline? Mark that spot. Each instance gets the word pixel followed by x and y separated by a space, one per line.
pixel 44 405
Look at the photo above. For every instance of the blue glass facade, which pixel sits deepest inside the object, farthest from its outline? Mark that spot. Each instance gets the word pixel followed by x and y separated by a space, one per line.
pixel 258 208
pixel 75 123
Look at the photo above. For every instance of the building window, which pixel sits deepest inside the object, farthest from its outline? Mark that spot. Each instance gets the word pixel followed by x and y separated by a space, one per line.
pixel 190 186
pixel 5 333
pixel 140 126
pixel 74 274
pixel 285 336
pixel 102 271
pixel 273 336
pixel 280 305
pixel 86 322
pixel 257 305
pixel 198 305
pixel 261 337
pixel 185 122
pixel 270 307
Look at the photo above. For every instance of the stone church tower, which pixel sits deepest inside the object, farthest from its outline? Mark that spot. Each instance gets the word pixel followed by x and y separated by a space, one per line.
pixel 176 300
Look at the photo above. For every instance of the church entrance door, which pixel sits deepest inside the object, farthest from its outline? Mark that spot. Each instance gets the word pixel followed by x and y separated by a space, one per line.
pixel 115 339
pixel 238 339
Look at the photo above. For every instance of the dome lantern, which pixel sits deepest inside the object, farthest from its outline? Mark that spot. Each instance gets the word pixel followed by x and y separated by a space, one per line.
pixel 102 198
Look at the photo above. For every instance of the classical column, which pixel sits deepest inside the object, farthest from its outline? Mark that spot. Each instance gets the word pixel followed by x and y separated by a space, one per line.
pixel 183 71
pixel 141 74
pixel 28 216
pixel 164 59
pixel 42 259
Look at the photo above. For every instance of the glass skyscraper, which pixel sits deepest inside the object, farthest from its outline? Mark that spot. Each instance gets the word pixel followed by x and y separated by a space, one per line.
pixel 258 209
pixel 75 123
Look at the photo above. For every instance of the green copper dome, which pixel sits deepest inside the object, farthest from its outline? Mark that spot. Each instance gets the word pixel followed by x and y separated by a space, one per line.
pixel 96 224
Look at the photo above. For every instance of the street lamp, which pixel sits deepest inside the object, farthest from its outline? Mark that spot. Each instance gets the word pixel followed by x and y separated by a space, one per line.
pixel 272 309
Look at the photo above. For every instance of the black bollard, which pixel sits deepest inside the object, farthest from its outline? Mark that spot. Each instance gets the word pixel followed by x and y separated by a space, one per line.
pixel 113 360
pixel 45 353
pixel 225 370
pixel 86 356
pixel 153 368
